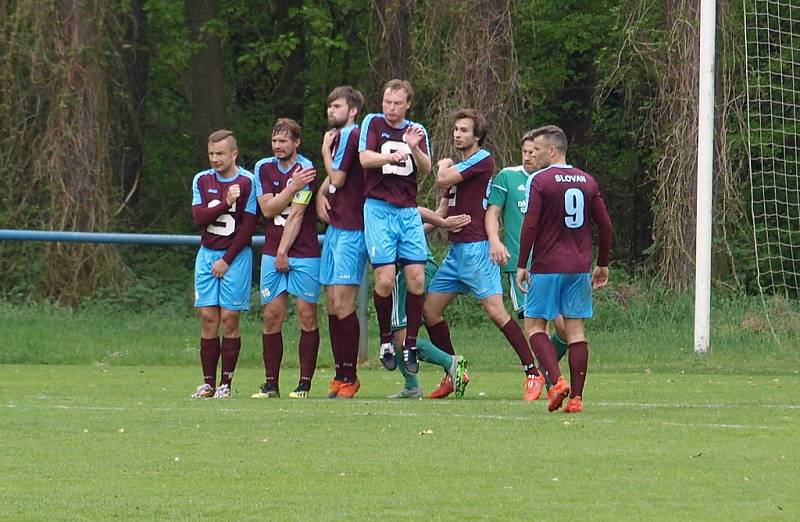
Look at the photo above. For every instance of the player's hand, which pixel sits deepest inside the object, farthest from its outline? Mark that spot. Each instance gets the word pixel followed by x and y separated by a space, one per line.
pixel 456 223
pixel 600 277
pixel 219 267
pixel 233 194
pixel 301 178
pixel 413 136
pixel 498 253
pixel 323 207
pixel 328 138
pixel 523 280
pixel 445 163
pixel 282 263
pixel 398 157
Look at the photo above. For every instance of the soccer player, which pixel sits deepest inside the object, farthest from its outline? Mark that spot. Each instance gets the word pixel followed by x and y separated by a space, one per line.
pixel 509 200
pixel 467 268
pixel 340 203
pixel 564 203
pixel 224 207
pixel 393 151
pixel 290 260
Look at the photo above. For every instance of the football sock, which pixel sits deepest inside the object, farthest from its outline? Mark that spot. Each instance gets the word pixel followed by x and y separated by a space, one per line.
pixel 411 380
pixel 272 351
pixel 560 344
pixel 578 364
pixel 209 355
pixel 546 353
pixel 383 309
pixel 350 331
pixel 428 352
pixel 334 327
pixel 309 347
pixel 516 338
pixel 413 317
pixel 230 354
pixel 440 337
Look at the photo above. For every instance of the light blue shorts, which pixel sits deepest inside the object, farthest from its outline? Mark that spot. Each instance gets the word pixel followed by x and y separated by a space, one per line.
pixel 302 279
pixel 344 256
pixel 551 295
pixel 232 290
pixel 467 268
pixel 393 234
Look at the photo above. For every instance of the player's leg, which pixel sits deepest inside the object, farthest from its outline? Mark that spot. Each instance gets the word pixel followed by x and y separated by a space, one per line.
pixel 578 363
pixel 303 282
pixel 308 346
pixel 577 299
pixel 234 298
pixel 206 291
pixel 411 388
pixel 444 287
pixel 415 299
pixel 559 337
pixel 273 286
pixel 381 235
pixel 229 351
pixel 412 253
pixel 344 257
pixel 385 278
pixel 542 303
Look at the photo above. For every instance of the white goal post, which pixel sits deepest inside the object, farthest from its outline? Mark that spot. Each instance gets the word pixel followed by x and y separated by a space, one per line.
pixel 705 178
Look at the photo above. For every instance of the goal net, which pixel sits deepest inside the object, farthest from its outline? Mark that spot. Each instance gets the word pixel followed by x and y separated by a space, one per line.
pixel 772 40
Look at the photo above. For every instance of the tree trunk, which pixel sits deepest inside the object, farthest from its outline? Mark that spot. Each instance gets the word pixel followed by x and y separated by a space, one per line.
pixel 205 85
pixel 393 50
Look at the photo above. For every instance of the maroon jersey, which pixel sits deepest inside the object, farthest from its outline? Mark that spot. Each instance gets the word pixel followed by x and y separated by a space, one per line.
pixel 562 205
pixel 472 195
pixel 347 203
pixel 219 223
pixel 393 183
pixel 270 179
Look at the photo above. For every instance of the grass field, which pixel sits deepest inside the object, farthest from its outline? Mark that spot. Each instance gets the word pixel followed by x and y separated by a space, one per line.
pixel 103 442
pixel 96 424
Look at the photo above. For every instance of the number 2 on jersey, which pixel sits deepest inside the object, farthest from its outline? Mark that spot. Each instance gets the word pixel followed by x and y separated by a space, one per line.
pixel 573 207
pixel 405 168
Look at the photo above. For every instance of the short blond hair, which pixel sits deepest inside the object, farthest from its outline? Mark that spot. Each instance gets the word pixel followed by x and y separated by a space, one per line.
pixel 400 85
pixel 221 135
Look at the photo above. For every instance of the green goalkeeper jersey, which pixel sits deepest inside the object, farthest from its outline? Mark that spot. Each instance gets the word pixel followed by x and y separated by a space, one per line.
pixel 510 193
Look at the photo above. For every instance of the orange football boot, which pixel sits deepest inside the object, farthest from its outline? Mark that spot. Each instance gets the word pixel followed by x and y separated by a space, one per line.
pixel 557 394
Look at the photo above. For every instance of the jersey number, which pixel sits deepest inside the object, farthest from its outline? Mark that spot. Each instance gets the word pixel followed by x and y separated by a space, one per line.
pixel 573 207
pixel 225 225
pixel 404 168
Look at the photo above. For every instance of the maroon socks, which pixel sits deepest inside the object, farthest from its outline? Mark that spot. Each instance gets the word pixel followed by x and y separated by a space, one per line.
pixel 209 355
pixel 578 364
pixel 230 354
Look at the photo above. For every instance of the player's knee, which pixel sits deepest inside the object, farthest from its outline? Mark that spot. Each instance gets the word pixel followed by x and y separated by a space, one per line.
pixel 230 325
pixel 308 318
pixel 273 319
pixel 384 283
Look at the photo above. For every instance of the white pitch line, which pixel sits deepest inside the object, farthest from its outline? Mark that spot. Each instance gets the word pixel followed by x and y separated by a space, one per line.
pixel 524 418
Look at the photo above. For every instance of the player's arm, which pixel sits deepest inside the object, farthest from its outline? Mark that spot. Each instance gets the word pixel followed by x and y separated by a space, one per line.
pixel 291 230
pixel 273 204
pixel 323 206
pixel 337 177
pixel 527 237
pixel 446 174
pixel 605 237
pixel 204 215
pixel 414 137
pixel 497 250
